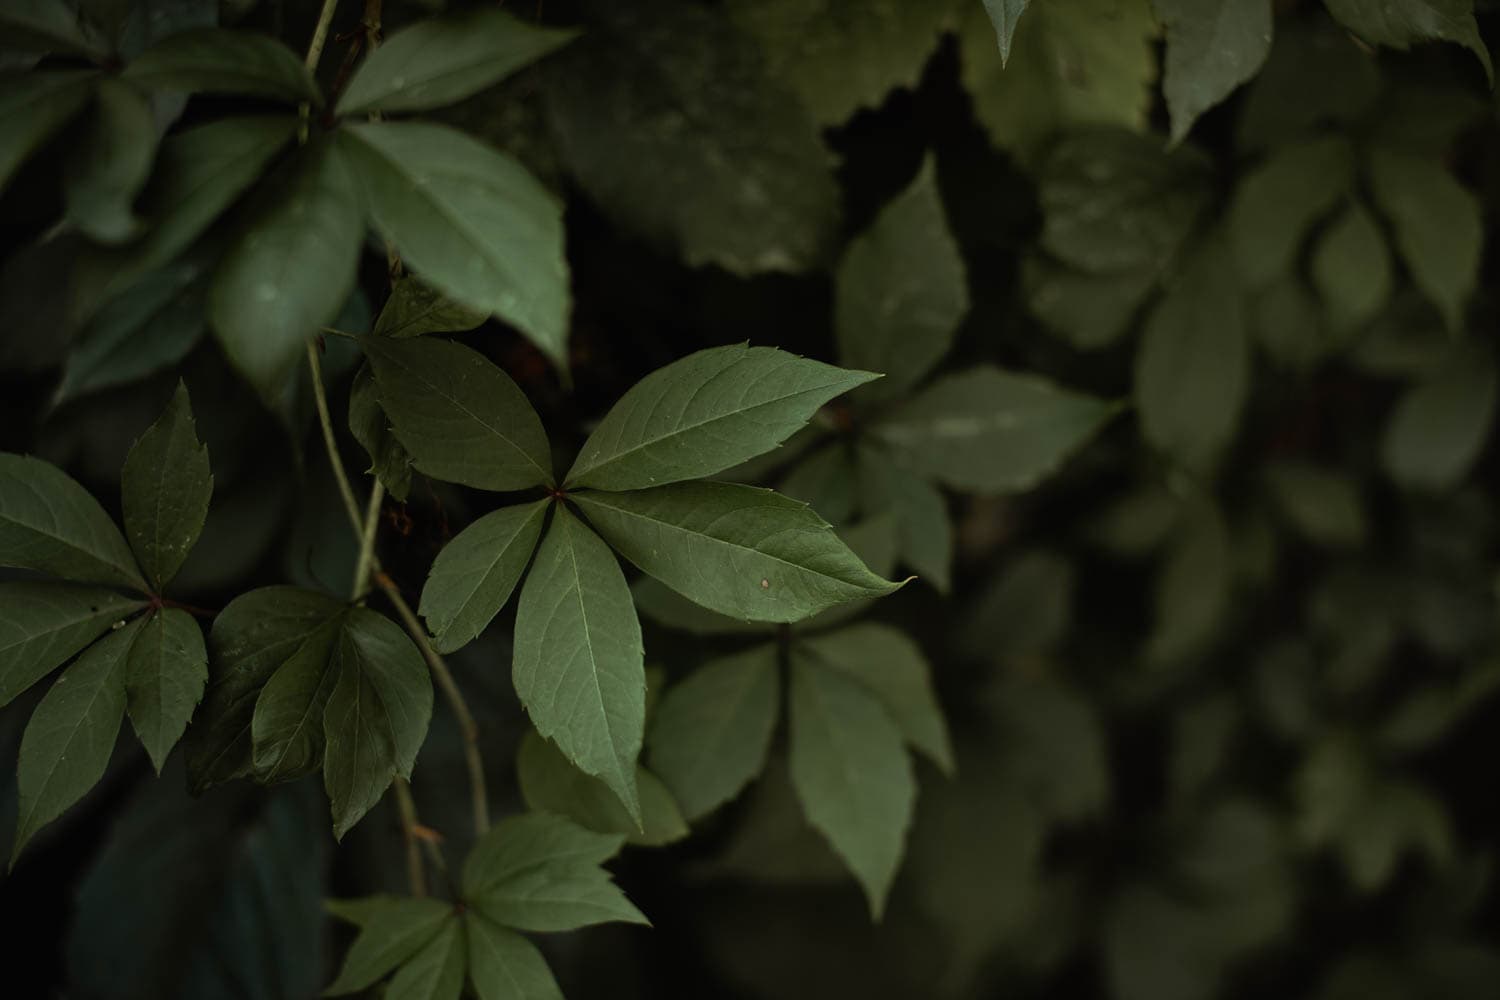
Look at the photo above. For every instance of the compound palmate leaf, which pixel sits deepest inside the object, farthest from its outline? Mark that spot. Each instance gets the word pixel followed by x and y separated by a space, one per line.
pixel 706 413
pixel 51 524
pixel 742 551
pixel 460 417
pixel 579 664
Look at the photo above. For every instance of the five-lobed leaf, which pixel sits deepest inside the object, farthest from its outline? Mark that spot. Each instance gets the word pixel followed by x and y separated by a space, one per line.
pixel 477 571
pixel 442 60
pixel 290 269
pixel 165 489
pixel 851 774
pixel 470 221
pixel 164 678
pixel 712 732
pixel 706 413
pixel 221 61
pixel 900 290
pixel 51 524
pixel 460 417
pixel 42 624
pixel 579 663
pixel 742 551
pixel 990 430
pixel 67 743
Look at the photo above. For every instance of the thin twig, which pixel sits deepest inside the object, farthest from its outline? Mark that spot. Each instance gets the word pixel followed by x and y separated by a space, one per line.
pixel 325 419
pixel 416 876
pixel 320 35
pixel 367 542
pixel 478 795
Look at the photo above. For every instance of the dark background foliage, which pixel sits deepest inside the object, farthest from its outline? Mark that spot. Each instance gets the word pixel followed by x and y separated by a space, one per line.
pixel 1297 801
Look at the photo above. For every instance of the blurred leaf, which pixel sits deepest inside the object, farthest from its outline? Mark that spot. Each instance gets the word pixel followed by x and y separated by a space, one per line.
pixel 1051 747
pixel 1212 48
pixel 550 784
pixel 1352 269
pixel 1320 503
pixel 924 533
pixel 851 773
pixel 578 664
pixel 1441 424
pixel 290 268
pixel 1089 62
pixel 826 482
pixel 840 56
pixel 1316 74
pixel 671 120
pixel 1277 203
pixel 45 26
pixel 668 608
pixel 33 108
pixel 1192 591
pixel 1437 226
pixel 713 730
pixel 1192 370
pixel 106 168
pixel 1023 610
pixel 443 60
pixel 1290 326
pixel 470 221
pixel 1399 23
pixel 1091 311
pixel 992 431
pixel 900 290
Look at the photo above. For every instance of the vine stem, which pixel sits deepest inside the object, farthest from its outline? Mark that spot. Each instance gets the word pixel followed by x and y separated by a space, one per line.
pixel 416 875
pixel 367 542
pixel 468 728
pixel 320 35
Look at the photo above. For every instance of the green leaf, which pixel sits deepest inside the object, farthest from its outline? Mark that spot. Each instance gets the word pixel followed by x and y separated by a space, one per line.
pixel 1213 46
pixel 1087 62
pixel 106 168
pixel 672 121
pixel 436 971
pixel 415 309
pixel 521 843
pixel 924 533
pixel 839 57
pixel 1004 14
pixel 669 609
pixel 579 667
pixel 152 326
pixel 286 731
pixel 712 732
pixel 1437 225
pixel 1352 269
pixel 1022 612
pixel 1192 370
pixel 165 488
pixel 888 663
pixel 42 624
pixel 460 417
pixel 557 897
pixel 506 966
pixel 851 773
pixel 1090 311
pixel 393 935
pixel 470 221
pixel 1316 75
pixel 251 638
pixel 1279 201
pixel 900 291
pixel 71 734
pixel 389 461
pixel 825 482
pixel 44 26
pixel 164 679
pixel 201 172
pixel 221 61
pixel 1440 426
pixel 549 783
pixel 477 571
pixel 34 107
pixel 1113 201
pixel 706 413
pixel 989 430
pixel 1321 503
pixel 1192 591
pixel 739 550
pixel 443 60
pixel 376 717
pixel 51 524
pixel 1400 23
pixel 290 269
